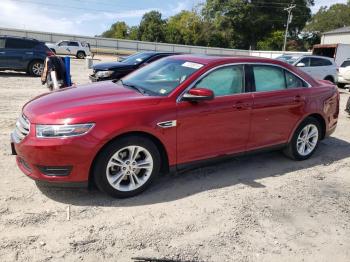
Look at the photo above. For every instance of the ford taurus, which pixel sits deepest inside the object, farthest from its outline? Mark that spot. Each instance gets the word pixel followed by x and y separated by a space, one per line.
pixel 176 112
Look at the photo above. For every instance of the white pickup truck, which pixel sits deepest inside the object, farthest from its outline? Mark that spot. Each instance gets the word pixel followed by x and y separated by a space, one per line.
pixel 67 47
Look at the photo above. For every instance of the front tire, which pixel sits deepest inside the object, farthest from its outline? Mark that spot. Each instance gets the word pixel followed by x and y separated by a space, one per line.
pixel 305 140
pixel 127 166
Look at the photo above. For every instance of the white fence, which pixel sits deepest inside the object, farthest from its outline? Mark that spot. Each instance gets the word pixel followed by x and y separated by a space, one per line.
pixel 130 45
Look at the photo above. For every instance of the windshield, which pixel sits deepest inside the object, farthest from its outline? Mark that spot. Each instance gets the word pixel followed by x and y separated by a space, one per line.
pixel 284 57
pixel 136 58
pixel 161 77
pixel 345 63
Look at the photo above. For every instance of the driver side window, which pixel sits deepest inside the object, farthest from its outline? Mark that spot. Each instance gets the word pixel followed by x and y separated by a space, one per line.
pixel 224 81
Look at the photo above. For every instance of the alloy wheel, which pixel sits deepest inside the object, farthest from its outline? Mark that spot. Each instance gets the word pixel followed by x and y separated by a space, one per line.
pixel 129 168
pixel 37 68
pixel 307 139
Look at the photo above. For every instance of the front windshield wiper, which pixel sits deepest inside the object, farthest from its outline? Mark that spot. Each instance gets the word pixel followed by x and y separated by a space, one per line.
pixel 139 89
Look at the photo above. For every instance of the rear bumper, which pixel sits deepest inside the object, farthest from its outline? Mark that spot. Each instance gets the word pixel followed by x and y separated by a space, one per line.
pixel 341 80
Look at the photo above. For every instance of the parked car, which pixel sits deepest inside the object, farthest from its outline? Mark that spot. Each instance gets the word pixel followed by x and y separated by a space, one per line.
pixel 117 70
pixel 347 109
pixel 23 54
pixel 318 67
pixel 344 74
pixel 67 47
pixel 174 113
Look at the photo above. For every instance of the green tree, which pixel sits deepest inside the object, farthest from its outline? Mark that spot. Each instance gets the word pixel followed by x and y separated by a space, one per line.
pixel 327 19
pixel 243 23
pixel 152 27
pixel 117 30
pixel 133 33
pixel 273 42
pixel 184 28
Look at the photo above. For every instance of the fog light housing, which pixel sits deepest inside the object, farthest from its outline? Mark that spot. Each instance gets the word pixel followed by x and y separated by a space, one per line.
pixel 55 170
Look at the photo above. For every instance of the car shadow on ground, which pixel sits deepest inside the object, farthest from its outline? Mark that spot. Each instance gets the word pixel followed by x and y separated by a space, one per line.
pixel 7 74
pixel 242 170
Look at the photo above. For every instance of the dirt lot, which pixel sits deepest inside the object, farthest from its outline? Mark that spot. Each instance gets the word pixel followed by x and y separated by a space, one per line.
pixel 255 208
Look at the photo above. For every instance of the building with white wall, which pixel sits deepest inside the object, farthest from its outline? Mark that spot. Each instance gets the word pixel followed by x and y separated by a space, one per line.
pixel 337 36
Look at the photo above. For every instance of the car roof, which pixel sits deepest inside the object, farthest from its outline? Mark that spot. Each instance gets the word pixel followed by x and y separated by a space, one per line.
pixel 318 56
pixel 19 37
pixel 208 59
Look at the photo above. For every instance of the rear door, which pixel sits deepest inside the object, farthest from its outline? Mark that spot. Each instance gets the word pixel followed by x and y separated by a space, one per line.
pixel 278 105
pixel 3 59
pixel 73 47
pixel 19 52
pixel 321 68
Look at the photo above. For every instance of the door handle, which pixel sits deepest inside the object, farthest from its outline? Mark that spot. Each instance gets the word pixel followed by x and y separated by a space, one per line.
pixel 240 106
pixel 29 53
pixel 299 98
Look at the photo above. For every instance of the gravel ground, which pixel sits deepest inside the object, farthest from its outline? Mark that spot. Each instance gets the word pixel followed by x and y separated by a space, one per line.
pixel 263 207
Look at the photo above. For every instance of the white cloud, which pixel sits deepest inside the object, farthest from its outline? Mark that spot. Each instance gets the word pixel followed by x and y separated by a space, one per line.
pixel 34 17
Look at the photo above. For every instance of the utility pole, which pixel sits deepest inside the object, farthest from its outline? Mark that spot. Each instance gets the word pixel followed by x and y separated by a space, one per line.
pixel 289 20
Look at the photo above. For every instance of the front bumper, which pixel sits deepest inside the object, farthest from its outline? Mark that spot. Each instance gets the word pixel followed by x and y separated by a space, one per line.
pixel 94 78
pixel 65 161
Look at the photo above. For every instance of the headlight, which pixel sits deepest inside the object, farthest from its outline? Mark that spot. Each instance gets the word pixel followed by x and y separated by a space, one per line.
pixel 104 73
pixel 53 131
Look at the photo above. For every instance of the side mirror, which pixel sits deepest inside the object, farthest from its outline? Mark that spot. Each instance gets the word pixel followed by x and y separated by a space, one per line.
pixel 300 65
pixel 198 94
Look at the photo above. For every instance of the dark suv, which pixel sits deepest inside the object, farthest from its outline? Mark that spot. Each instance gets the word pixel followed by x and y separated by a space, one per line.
pixel 23 54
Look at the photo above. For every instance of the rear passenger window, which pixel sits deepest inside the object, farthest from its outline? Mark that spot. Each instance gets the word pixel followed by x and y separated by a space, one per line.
pixel 293 81
pixel 73 44
pixel 2 43
pixel 224 81
pixel 268 78
pixel 20 43
pixel 320 62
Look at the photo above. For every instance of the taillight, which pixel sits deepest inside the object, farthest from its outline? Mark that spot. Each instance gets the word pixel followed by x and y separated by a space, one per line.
pixel 50 53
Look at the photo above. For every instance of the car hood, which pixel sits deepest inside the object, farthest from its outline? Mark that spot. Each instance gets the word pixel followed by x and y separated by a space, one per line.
pixel 112 65
pixel 84 102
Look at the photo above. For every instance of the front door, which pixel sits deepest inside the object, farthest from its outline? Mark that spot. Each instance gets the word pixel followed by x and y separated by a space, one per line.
pixel 218 127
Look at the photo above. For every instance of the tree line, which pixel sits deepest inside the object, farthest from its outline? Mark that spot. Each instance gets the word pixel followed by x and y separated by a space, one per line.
pixel 239 24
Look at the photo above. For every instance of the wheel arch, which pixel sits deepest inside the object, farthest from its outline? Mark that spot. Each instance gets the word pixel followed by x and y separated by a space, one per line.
pixel 164 168
pixel 316 116
pixel 330 78
pixel 32 61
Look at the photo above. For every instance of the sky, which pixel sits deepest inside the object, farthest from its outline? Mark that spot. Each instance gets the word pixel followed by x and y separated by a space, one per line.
pixel 91 17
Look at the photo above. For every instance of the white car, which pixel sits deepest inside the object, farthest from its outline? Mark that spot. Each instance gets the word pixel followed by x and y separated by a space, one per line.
pixel 344 74
pixel 67 47
pixel 319 67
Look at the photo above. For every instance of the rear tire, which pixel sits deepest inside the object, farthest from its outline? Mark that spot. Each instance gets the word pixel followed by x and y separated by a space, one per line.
pixel 127 166
pixel 305 140
pixel 81 55
pixel 341 85
pixel 36 68
pixel 329 78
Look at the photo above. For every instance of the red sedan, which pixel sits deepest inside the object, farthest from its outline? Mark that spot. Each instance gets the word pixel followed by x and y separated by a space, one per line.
pixel 178 111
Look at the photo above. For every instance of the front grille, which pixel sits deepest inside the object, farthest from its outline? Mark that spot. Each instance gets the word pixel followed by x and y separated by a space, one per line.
pixel 22 128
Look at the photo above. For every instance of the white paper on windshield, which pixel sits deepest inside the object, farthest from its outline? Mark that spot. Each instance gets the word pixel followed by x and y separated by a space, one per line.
pixel 192 65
